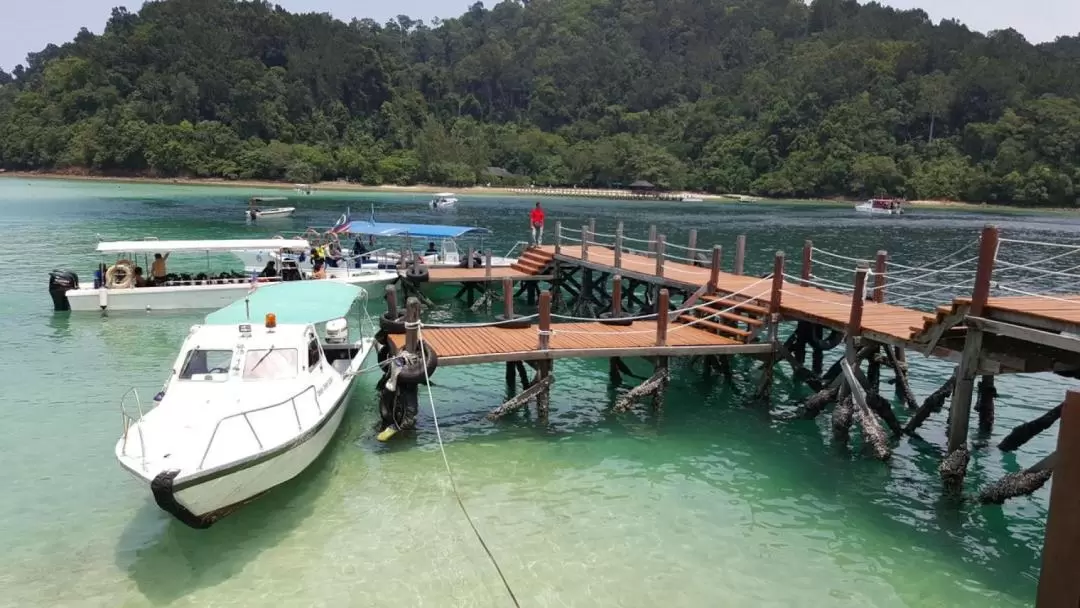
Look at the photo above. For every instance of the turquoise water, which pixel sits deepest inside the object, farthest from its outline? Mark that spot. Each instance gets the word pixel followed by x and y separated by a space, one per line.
pixel 711 502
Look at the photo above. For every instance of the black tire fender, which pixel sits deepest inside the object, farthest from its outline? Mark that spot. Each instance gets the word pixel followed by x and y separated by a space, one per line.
pixel 414 372
pixel 517 322
pixel 606 319
pixel 392 327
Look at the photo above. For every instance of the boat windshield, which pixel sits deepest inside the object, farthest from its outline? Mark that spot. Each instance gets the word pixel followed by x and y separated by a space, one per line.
pixel 270 364
pixel 206 365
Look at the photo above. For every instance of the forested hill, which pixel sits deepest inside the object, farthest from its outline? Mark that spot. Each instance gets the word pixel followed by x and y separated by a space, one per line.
pixel 775 97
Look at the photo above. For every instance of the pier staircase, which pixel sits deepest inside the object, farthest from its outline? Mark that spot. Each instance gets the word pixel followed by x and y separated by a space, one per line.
pixel 741 324
pixel 534 261
pixel 946 322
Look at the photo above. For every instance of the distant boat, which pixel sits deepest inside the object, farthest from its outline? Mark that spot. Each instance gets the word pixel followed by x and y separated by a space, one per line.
pixel 257 212
pixel 303 188
pixel 443 200
pixel 881 206
pixel 691 198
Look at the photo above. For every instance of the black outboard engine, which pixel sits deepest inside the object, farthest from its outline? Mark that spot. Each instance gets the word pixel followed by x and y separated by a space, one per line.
pixel 60 282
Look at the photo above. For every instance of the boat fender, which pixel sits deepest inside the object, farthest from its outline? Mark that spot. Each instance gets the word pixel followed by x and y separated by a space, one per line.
pixel 128 280
pixel 478 262
pixel 517 322
pixel 834 339
pixel 417 274
pixel 393 327
pixel 162 488
pixel 606 319
pixel 413 373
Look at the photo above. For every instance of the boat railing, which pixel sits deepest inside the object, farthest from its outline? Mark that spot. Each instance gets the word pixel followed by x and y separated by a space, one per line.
pixel 127 420
pixel 291 401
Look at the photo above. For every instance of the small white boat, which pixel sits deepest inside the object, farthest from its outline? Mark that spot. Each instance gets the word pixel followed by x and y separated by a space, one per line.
pixel 881 206
pixel 247 405
pixel 691 198
pixel 443 200
pixel 121 289
pixel 303 188
pixel 257 212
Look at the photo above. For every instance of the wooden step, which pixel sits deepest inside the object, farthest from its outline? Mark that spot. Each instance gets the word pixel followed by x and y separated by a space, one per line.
pixel 529 270
pixel 731 316
pixel 538 259
pixel 746 307
pixel 718 327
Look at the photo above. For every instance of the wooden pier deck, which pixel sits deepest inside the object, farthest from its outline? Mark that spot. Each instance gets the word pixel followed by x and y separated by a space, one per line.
pixel 470 345
pixel 881 322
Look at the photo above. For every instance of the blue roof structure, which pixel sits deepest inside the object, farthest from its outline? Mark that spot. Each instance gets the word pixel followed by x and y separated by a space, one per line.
pixel 294 302
pixel 434 231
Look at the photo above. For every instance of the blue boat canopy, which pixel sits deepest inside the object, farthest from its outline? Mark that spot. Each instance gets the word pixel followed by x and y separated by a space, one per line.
pixel 293 303
pixel 434 231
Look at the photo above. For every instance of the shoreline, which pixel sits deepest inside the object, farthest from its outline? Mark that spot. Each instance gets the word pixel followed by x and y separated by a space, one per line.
pixel 518 191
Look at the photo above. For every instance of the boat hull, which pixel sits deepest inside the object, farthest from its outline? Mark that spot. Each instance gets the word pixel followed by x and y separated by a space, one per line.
pixel 157 298
pixel 877 211
pixel 280 212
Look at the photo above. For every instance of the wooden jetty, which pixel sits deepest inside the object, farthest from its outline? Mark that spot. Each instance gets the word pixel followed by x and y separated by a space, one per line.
pixel 687 304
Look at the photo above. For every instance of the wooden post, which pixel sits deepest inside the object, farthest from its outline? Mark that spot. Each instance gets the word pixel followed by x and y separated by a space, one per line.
pixel 558 237
pixel 391 302
pixel 1059 586
pixel 807 261
pixel 652 240
pixel 487 265
pixel 469 260
pixel 966 372
pixel 776 294
pixel 616 297
pixel 714 268
pixel 879 276
pixel 660 245
pixel 691 245
pixel 545 320
pixel 584 242
pixel 592 225
pixel 508 298
pixel 412 325
pixel 988 245
pixel 740 253
pixel 854 327
pixel 618 245
pixel 662 318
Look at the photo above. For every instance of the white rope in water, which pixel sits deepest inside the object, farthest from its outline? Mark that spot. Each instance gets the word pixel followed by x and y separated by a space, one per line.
pixel 569 229
pixel 450 472
pixel 687 248
pixel 1040 243
pixel 929 265
pixel 1036 278
pixel 822 283
pixel 1038 295
pixel 838 256
pixel 938 289
pixel 1042 271
pixel 833 266
pixel 919 280
pixel 630 238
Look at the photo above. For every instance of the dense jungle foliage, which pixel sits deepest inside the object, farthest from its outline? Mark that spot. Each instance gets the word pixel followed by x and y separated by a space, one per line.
pixel 774 97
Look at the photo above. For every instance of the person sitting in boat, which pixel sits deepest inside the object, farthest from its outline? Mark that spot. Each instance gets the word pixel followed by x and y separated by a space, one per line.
pixel 360 251
pixel 320 270
pixel 140 280
pixel 316 256
pixel 431 250
pixel 333 255
pixel 270 270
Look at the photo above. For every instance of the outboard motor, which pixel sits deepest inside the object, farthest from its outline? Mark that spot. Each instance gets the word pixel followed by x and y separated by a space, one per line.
pixel 60 282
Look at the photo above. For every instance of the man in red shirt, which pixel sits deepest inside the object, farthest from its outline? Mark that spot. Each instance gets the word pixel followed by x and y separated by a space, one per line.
pixel 536 219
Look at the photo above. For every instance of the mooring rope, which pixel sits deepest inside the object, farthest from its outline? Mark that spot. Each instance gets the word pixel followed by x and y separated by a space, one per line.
pixel 841 257
pixel 904 269
pixel 450 472
pixel 1041 244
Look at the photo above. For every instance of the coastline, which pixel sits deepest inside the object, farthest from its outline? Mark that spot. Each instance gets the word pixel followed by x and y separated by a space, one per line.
pixel 339 186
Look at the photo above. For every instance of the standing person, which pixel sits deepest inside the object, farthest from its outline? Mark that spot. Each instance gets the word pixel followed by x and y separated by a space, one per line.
pixel 536 219
pixel 157 269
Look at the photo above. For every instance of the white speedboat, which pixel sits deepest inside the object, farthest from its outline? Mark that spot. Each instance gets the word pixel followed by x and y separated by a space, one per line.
pixel 121 288
pixel 691 198
pixel 247 405
pixel 443 200
pixel 881 206
pixel 256 211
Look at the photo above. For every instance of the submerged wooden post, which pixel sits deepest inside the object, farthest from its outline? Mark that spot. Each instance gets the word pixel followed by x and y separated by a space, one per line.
pixel 854 327
pixel 807 261
pixel 508 298
pixel 618 244
pixel 714 268
pixel 988 246
pixel 558 237
pixel 740 253
pixel 661 244
pixel 616 297
pixel 662 318
pixel 1059 586
pixel 412 325
pixel 584 242
pixel 544 341
pixel 652 240
pixel 879 276
pixel 391 302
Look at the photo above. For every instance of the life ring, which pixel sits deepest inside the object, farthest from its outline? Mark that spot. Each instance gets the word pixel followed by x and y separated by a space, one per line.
pixel 128 280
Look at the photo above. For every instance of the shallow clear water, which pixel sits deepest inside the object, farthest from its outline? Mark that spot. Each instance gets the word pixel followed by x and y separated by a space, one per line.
pixel 709 503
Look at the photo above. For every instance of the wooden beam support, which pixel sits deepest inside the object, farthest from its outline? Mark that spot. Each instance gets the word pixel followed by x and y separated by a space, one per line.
pixel 651 386
pixel 807 261
pixel 988 246
pixel 714 268
pixel 662 318
pixel 1059 586
pixel 873 434
pixel 1027 334
pixel 960 406
pixel 487 267
pixel 854 327
pixel 558 237
pixel 618 245
pixel 412 325
pixel 523 398
pixel 740 253
pixel 616 297
pixel 508 298
pixel 585 242
pixel 391 301
pixel 661 245
pixel 880 265
pixel 544 342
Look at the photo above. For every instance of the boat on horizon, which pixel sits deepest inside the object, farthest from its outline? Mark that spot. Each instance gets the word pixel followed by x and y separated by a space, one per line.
pixel 221 433
pixel 443 200
pixel 256 212
pixel 881 206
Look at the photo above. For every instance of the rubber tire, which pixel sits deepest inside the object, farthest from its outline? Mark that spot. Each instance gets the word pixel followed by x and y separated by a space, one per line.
pixel 418 274
pixel 414 373
pixel 605 319
pixel 392 327
pixel 518 322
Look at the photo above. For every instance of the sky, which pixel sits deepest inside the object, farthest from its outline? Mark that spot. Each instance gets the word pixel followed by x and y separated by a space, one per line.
pixel 29 26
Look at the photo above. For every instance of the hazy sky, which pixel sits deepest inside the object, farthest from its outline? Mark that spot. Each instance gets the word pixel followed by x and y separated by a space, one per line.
pixel 29 26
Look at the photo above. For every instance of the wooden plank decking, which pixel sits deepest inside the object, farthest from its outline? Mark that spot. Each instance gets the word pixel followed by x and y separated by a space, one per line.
pixel 468 345
pixel 883 322
pixel 1060 310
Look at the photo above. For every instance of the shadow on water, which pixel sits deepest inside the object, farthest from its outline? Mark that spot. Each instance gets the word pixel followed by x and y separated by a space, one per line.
pixel 168 560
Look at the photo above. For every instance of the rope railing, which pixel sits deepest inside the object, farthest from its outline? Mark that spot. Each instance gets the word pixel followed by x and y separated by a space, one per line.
pixel 841 257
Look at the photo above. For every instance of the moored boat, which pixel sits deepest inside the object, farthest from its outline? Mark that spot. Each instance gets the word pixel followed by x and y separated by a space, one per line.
pixel 881 206
pixel 248 404
pixel 256 210
pixel 443 200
